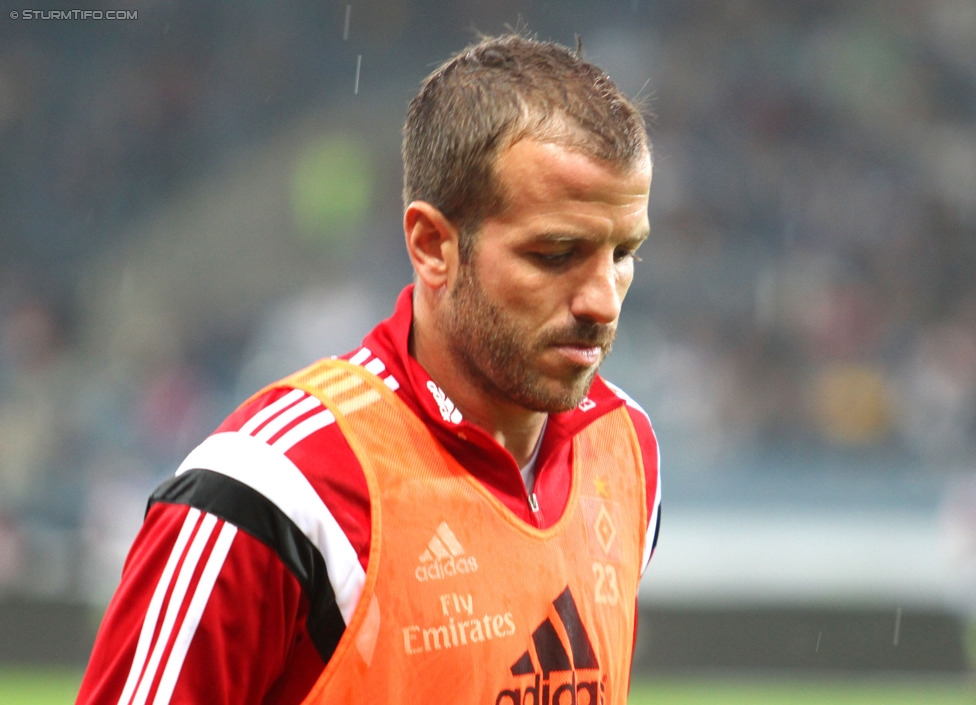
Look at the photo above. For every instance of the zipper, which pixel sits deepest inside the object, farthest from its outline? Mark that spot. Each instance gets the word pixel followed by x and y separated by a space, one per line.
pixel 533 502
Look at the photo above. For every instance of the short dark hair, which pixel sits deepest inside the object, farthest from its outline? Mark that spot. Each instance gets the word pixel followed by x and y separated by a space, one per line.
pixel 495 93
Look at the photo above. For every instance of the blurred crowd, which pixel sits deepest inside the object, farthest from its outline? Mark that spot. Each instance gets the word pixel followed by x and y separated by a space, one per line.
pixel 819 213
pixel 806 304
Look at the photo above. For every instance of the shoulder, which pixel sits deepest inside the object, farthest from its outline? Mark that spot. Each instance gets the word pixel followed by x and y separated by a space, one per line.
pixel 640 419
pixel 280 469
pixel 283 443
pixel 180 590
pixel 651 457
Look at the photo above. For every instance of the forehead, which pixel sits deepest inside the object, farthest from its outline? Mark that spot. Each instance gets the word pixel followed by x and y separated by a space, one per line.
pixel 550 187
pixel 535 174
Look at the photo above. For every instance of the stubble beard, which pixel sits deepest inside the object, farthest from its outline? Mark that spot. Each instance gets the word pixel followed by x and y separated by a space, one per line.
pixel 498 353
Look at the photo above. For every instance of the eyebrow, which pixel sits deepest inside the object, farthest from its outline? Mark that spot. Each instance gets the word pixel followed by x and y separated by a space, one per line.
pixel 559 236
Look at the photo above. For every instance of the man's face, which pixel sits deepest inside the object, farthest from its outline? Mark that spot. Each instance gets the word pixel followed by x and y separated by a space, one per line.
pixel 534 312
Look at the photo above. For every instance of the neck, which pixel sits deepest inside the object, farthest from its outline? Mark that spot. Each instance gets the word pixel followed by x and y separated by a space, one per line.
pixel 515 428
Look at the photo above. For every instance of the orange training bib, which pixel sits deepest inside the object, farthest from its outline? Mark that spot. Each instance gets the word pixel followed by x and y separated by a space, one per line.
pixel 464 602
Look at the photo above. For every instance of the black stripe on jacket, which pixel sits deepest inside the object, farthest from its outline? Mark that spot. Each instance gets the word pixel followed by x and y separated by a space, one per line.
pixel 252 512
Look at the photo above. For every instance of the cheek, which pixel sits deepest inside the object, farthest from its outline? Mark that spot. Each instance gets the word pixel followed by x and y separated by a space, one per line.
pixel 509 288
pixel 625 277
pixel 528 310
pixel 526 305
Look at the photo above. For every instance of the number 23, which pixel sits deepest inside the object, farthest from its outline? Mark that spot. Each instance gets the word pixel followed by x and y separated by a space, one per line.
pixel 607 590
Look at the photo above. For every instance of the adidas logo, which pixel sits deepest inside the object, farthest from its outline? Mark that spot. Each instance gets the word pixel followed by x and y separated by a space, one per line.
pixel 556 655
pixel 449 412
pixel 444 557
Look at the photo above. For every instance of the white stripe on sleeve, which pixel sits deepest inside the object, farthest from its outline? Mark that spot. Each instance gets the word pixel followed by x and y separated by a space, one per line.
pixel 303 430
pixel 286 417
pixel 173 608
pixel 155 606
pixel 360 357
pixel 193 614
pixel 271 409
pixel 652 522
pixel 270 473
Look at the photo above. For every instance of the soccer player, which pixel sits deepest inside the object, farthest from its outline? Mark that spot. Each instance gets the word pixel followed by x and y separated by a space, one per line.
pixel 460 509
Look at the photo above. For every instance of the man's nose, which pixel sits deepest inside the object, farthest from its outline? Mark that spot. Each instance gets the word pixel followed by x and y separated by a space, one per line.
pixel 600 292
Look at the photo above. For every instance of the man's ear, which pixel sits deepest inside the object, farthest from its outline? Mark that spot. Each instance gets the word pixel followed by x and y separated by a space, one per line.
pixel 432 243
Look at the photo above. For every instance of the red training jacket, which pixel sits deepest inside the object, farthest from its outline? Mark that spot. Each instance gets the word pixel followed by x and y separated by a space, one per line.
pixel 250 560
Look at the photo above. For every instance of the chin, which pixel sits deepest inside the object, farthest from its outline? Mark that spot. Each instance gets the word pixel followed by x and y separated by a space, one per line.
pixel 560 400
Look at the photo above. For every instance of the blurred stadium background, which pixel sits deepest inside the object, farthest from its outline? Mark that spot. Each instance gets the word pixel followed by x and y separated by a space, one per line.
pixel 199 199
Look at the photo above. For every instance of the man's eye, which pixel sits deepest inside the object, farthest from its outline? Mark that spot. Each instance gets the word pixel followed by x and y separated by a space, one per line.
pixel 552 257
pixel 623 254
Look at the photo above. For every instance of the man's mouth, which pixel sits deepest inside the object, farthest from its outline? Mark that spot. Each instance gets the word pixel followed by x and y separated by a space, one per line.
pixel 581 354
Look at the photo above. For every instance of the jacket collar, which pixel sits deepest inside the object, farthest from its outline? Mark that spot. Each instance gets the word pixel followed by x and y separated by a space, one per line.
pixel 469 444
